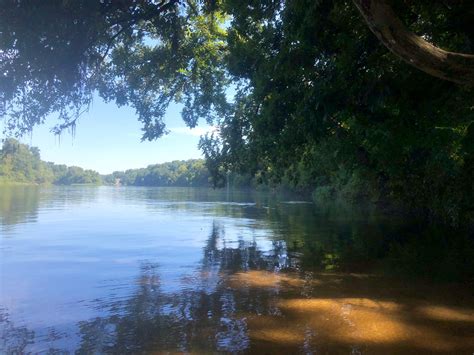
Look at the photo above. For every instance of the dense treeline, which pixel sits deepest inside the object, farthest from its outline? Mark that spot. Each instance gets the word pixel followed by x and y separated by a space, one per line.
pixel 176 173
pixel 20 163
pixel 322 105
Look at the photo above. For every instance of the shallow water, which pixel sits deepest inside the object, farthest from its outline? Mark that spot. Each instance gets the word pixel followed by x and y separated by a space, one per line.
pixel 164 270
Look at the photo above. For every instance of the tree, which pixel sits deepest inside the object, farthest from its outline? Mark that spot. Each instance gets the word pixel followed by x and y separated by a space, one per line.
pixel 322 106
pixel 54 56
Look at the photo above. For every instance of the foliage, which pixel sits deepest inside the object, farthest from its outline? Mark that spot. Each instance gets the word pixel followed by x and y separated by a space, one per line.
pixel 54 56
pixel 322 105
pixel 20 163
pixel 176 173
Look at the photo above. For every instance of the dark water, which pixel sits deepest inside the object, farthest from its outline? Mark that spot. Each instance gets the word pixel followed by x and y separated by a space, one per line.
pixel 164 270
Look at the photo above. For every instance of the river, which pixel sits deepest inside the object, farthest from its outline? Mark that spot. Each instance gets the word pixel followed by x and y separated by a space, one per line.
pixel 181 270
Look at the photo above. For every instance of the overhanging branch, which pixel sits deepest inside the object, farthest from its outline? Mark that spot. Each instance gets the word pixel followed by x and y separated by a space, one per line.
pixel 415 50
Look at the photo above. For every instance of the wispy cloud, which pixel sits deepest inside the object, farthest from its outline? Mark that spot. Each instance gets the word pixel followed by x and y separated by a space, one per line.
pixel 196 131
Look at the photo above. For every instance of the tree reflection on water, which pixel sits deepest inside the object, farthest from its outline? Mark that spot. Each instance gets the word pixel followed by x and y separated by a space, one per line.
pixel 241 298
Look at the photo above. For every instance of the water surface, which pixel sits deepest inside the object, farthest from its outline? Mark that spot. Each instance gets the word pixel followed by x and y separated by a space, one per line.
pixel 164 270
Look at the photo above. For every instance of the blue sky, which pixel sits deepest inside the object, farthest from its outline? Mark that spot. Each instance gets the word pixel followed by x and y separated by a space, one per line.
pixel 108 138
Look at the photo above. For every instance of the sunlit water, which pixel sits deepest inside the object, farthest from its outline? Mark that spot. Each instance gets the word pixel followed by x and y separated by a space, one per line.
pixel 166 270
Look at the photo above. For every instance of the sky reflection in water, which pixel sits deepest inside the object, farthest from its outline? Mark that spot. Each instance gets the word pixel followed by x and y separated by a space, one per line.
pixel 137 270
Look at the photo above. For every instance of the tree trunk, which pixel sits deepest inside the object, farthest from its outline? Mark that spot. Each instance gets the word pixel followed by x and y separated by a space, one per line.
pixel 416 51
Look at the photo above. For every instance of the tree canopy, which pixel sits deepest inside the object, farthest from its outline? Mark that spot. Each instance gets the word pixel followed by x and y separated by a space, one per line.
pixel 302 91
pixel 55 55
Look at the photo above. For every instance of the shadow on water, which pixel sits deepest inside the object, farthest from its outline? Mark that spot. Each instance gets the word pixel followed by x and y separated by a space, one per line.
pixel 304 288
pixel 13 339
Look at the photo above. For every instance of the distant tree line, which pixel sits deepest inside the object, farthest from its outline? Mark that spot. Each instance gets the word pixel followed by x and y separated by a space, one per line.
pixel 183 173
pixel 20 163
